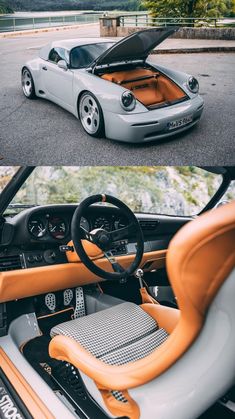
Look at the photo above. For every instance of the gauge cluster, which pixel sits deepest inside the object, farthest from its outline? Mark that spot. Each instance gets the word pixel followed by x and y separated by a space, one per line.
pixel 56 226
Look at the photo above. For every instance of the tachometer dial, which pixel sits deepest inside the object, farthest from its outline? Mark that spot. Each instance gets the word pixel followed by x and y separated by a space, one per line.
pixel 57 228
pixel 85 224
pixel 102 222
pixel 36 227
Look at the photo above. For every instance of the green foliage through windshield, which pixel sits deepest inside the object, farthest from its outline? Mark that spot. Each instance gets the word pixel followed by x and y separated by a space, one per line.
pixel 161 189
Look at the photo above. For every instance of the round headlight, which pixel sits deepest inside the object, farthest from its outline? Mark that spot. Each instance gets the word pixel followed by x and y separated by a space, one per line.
pixel 128 101
pixel 193 84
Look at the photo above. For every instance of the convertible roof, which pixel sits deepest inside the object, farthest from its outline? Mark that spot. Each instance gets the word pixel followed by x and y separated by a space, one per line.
pixel 70 44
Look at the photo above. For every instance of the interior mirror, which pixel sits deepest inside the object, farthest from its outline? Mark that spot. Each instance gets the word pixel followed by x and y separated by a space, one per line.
pixel 62 64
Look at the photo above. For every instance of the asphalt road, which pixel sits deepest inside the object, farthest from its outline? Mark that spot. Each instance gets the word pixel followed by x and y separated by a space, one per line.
pixel 41 133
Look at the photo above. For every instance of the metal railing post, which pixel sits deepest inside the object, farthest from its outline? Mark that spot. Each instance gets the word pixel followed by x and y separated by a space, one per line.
pixel 14 25
pixel 33 23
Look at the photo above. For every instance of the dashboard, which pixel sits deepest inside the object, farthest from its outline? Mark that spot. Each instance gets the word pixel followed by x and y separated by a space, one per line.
pixel 55 224
pixel 35 236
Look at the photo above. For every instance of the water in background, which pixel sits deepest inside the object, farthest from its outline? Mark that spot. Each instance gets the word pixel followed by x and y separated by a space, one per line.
pixel 35 20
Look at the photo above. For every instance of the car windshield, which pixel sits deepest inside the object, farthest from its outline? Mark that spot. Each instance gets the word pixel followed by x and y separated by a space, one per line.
pixel 83 56
pixel 181 191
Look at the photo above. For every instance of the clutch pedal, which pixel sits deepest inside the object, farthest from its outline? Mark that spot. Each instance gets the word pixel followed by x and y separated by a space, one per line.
pixel 50 301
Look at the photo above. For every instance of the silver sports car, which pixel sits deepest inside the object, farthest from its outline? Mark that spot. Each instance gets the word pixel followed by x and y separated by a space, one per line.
pixel 113 88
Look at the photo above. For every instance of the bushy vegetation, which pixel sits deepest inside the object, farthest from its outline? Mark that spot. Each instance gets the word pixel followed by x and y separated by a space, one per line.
pixel 189 8
pixel 41 5
pixel 5 8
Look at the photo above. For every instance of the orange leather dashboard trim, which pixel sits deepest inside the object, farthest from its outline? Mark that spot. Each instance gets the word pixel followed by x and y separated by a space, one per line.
pixel 34 281
pixel 33 403
pixel 200 258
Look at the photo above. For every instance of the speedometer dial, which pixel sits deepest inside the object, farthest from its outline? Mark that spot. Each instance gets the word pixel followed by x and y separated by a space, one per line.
pixel 36 227
pixel 102 222
pixel 57 228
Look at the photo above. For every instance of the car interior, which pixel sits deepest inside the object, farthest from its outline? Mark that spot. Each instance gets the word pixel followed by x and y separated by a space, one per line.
pixel 100 305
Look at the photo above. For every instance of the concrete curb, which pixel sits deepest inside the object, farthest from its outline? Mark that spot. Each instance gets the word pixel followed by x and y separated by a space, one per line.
pixel 193 50
pixel 41 30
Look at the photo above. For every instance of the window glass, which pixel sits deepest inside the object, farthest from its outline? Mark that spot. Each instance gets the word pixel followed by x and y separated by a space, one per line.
pixel 183 190
pixel 57 54
pixel 6 174
pixel 84 55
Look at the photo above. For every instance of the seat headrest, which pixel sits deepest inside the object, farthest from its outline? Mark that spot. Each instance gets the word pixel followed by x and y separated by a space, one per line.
pixel 200 258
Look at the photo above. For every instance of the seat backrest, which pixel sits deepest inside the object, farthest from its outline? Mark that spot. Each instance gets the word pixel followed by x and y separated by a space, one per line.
pixel 200 258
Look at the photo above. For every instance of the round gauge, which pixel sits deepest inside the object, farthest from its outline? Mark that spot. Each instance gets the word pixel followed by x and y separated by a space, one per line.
pixel 36 227
pixel 120 223
pixel 102 222
pixel 57 228
pixel 85 224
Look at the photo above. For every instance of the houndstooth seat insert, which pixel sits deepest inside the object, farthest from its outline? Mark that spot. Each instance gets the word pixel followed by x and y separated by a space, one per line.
pixel 117 335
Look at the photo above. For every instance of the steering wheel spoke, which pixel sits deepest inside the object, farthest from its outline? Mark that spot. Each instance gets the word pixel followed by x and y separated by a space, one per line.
pixel 86 235
pixel 115 265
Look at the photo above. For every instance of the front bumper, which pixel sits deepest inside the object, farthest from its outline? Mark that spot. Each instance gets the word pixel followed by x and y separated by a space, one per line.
pixel 151 125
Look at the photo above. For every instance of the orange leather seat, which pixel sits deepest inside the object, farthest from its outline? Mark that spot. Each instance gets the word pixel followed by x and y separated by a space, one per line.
pixel 201 257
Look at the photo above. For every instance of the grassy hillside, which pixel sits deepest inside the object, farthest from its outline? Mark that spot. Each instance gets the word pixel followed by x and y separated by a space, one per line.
pixel 41 5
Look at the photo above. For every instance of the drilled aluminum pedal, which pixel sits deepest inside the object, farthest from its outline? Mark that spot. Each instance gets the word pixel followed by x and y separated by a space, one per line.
pixel 79 310
pixel 68 296
pixel 50 301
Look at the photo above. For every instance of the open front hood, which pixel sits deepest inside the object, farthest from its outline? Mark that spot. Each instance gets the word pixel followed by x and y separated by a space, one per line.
pixel 136 46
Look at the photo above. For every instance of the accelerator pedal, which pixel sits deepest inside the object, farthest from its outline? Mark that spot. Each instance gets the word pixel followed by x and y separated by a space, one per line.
pixel 79 310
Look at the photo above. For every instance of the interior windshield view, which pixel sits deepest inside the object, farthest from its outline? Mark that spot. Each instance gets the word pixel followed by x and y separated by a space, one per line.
pixel 117 292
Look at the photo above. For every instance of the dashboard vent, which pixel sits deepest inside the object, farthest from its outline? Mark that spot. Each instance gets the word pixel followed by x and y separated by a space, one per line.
pixel 149 224
pixel 10 263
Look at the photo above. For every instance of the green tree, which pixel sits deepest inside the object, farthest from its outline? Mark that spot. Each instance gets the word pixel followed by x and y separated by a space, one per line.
pixel 4 8
pixel 187 8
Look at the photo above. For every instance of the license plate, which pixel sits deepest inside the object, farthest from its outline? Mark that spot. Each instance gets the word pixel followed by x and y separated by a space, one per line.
pixel 179 122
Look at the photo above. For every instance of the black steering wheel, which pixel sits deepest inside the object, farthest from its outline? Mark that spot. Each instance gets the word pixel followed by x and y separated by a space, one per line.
pixel 106 240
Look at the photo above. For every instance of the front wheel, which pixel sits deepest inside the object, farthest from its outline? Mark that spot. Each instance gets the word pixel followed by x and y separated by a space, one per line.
pixel 28 84
pixel 91 115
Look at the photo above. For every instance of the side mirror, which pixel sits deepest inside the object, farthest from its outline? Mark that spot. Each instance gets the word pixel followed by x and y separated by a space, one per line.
pixel 63 65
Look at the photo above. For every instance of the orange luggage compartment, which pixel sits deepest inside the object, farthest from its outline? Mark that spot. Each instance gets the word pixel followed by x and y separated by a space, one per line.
pixel 149 87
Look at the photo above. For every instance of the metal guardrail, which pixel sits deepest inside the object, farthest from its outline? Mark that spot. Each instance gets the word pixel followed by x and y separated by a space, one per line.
pixel 12 24
pixel 146 20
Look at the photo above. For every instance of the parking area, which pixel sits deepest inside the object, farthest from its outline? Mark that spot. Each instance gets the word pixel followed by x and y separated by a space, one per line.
pixel 39 132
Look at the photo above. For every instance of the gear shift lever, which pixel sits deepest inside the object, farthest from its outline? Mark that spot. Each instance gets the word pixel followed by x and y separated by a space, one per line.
pixel 145 296
pixel 139 273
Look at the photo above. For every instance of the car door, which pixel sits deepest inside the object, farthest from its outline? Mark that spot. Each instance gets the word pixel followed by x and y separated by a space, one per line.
pixel 57 81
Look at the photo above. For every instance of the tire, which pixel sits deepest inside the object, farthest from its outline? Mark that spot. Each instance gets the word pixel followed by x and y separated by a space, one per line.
pixel 28 84
pixel 91 115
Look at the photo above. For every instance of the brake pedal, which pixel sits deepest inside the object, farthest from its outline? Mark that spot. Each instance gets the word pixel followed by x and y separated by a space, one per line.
pixel 50 301
pixel 68 296
pixel 79 310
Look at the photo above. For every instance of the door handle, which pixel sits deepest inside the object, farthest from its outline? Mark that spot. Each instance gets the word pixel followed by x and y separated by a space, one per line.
pixel 44 68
